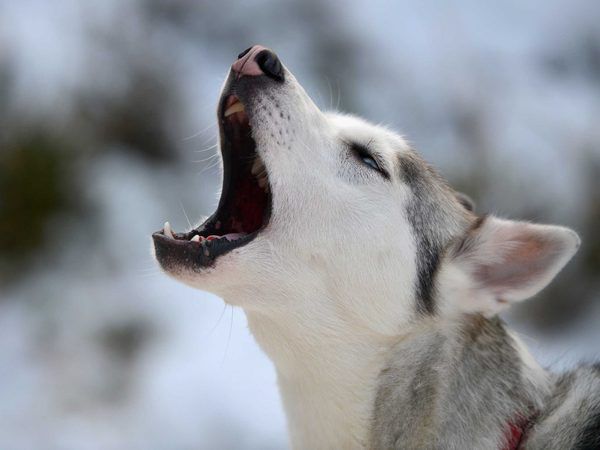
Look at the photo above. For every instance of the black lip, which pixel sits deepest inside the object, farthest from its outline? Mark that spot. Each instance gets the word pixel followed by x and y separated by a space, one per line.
pixel 180 252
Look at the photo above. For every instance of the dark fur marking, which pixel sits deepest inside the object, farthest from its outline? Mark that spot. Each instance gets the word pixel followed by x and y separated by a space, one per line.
pixel 466 201
pixel 465 244
pixel 428 266
pixel 436 217
pixel 590 436
pixel 421 213
pixel 410 170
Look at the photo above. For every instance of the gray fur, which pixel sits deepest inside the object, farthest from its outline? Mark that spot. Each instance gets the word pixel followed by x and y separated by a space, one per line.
pixel 452 388
pixel 432 204
pixel 466 201
pixel 460 386
pixel 571 416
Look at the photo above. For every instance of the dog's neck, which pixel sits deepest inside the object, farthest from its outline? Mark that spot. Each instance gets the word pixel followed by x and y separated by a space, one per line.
pixel 329 372
pixel 327 378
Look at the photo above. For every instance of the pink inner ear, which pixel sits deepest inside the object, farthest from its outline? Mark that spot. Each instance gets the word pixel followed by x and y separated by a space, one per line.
pixel 524 259
pixel 514 260
pixel 531 248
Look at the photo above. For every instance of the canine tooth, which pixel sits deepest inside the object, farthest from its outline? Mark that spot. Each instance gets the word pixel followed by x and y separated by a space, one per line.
pixel 196 238
pixel 236 107
pixel 168 231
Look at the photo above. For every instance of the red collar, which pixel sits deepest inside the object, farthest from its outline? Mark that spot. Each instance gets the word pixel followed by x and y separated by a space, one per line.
pixel 515 434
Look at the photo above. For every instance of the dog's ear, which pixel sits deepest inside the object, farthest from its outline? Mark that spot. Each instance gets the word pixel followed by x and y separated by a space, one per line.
pixel 499 262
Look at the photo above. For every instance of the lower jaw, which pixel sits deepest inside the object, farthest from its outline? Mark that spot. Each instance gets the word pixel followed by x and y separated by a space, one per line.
pixel 176 255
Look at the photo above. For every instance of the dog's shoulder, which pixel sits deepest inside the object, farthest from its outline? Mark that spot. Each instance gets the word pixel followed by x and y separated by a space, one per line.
pixel 571 417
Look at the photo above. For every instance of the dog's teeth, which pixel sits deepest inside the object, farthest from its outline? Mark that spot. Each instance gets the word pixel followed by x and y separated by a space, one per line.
pixel 234 236
pixel 236 107
pixel 196 238
pixel 168 231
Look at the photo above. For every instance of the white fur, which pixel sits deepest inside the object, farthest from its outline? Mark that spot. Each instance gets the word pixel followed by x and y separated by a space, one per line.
pixel 324 321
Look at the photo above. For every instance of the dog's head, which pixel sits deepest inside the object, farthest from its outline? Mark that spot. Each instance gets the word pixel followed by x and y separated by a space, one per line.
pixel 330 208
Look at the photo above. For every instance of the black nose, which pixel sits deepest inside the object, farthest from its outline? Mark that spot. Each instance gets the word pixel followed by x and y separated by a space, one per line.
pixel 258 60
pixel 270 64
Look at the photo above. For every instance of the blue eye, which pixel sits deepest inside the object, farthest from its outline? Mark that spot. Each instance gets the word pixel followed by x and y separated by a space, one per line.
pixel 361 153
pixel 369 161
pixel 364 156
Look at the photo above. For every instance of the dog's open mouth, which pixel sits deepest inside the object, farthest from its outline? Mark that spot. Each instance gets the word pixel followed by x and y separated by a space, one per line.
pixel 245 205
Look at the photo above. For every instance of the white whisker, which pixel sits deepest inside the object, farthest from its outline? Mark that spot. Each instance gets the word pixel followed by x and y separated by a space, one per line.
pixel 330 92
pixel 214 327
pixel 200 132
pixel 217 163
pixel 228 338
pixel 215 145
pixel 209 158
pixel 185 214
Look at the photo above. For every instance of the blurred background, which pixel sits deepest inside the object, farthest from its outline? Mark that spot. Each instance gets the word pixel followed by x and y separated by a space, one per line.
pixel 107 129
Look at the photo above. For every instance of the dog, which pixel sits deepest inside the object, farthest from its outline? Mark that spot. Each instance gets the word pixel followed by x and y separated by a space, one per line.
pixel 372 285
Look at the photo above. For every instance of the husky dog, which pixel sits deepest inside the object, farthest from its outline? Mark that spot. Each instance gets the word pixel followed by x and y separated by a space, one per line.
pixel 373 286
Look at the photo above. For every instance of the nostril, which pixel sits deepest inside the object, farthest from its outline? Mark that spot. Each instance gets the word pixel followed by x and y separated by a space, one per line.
pixel 241 55
pixel 270 64
pixel 258 60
